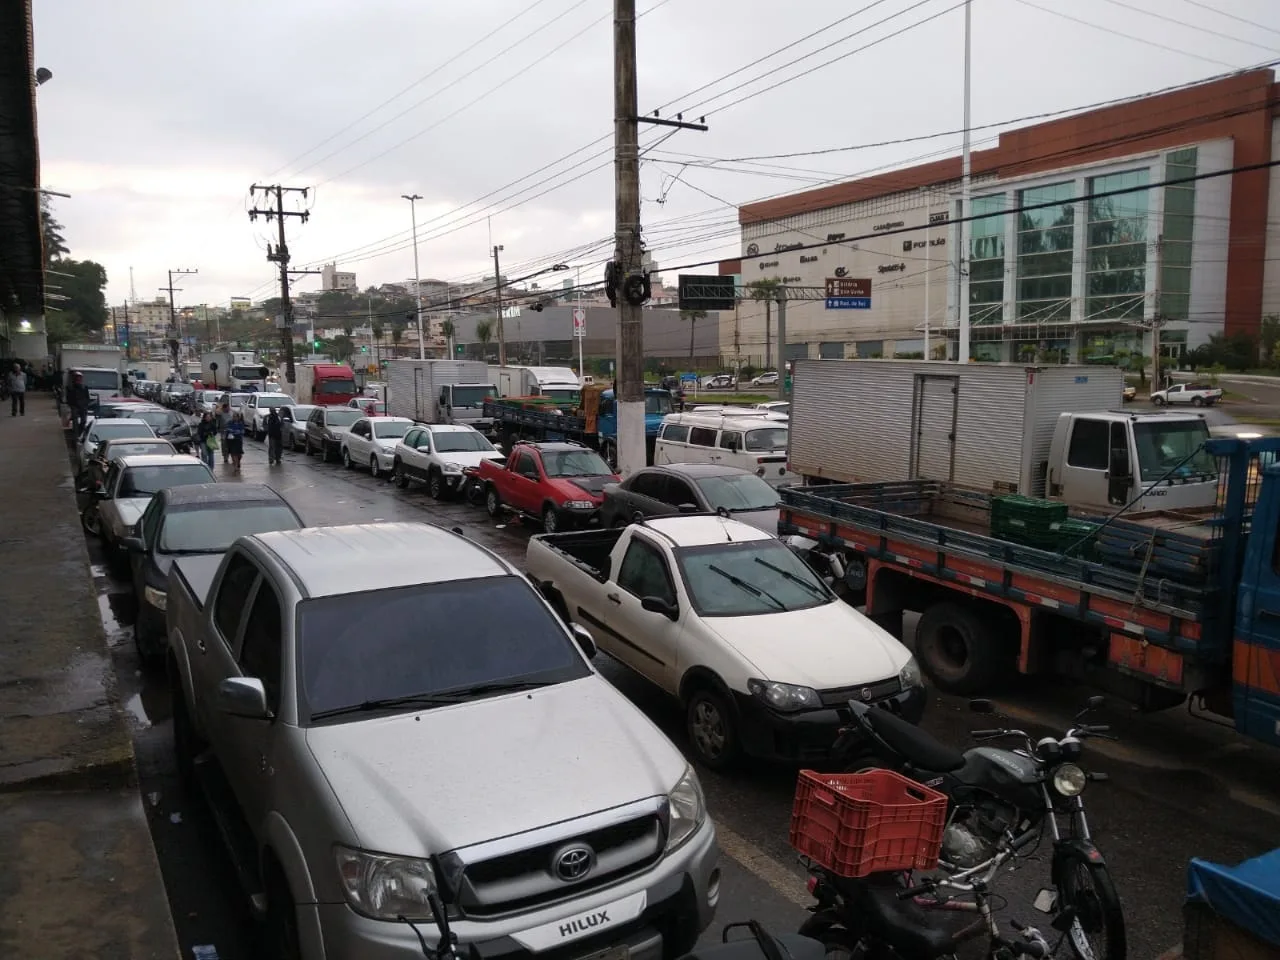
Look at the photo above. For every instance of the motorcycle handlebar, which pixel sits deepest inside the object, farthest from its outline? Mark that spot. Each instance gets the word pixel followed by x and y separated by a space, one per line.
pixel 987 733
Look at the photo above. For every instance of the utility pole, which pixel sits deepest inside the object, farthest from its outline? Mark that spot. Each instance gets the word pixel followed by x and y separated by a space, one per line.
pixel 962 252
pixel 497 291
pixel 417 276
pixel 128 346
pixel 1157 315
pixel 782 343
pixel 280 255
pixel 173 320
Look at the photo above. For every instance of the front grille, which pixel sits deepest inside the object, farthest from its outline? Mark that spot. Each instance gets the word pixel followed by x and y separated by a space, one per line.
pixel 527 878
pixel 863 693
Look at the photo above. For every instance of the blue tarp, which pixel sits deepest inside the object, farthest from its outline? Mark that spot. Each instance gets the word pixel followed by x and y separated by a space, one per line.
pixel 1248 894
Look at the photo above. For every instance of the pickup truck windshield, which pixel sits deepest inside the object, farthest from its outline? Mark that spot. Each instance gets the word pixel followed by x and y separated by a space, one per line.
pixel 574 463
pixel 766 440
pixel 437 640
pixel 657 403
pixel 248 373
pixel 148 481
pixel 472 396
pixel 1162 446
pixel 461 441
pixel 101 379
pixel 737 491
pixel 339 387
pixel 213 528
pixel 744 579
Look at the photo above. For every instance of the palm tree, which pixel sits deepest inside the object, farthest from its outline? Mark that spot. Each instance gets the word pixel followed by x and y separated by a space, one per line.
pixel 693 316
pixel 375 327
pixel 447 331
pixel 397 332
pixel 766 290
pixel 484 333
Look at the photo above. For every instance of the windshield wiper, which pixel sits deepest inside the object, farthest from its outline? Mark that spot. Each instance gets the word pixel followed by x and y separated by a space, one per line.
pixel 443 699
pixel 751 588
pixel 792 577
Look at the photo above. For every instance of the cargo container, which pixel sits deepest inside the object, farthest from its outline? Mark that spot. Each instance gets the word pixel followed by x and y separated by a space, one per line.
pixel 440 391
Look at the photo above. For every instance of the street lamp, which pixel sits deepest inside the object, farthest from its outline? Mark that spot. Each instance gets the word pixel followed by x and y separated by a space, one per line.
pixel 417 277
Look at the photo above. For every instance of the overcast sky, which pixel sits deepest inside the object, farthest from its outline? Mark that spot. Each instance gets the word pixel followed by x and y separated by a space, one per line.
pixel 160 114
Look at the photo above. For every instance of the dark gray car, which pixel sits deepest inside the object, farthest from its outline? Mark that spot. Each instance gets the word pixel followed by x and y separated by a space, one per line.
pixel 691 488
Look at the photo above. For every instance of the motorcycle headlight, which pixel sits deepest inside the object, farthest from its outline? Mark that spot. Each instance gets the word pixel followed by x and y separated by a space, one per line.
pixel 909 676
pixel 784 696
pixel 384 887
pixel 1069 780
pixel 685 808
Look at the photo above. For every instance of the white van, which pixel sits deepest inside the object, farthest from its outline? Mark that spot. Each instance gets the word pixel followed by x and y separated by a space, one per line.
pixel 753 442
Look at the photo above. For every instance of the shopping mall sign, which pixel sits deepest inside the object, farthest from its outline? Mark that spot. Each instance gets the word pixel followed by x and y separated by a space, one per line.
pixel 848 293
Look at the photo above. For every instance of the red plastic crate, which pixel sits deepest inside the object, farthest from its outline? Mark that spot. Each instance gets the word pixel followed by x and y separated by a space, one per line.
pixel 856 824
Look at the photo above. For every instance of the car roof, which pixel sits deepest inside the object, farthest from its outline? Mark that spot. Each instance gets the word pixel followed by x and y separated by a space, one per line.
pixel 444 427
pixel 553 446
pixel 271 393
pixel 399 555
pixel 392 419
pixel 714 418
pixel 221 493
pixel 157 459
pixel 148 441
pixel 117 421
pixel 703 530
pixel 696 470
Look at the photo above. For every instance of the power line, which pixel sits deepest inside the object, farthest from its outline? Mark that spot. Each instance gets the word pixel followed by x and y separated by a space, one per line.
pixel 1189 26
pixel 1232 16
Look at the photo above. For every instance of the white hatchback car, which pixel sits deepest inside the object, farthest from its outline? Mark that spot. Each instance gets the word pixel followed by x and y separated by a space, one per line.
pixel 371 442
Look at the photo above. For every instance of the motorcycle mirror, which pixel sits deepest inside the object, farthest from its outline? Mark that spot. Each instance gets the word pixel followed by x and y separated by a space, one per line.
pixel 982 706
pixel 1093 703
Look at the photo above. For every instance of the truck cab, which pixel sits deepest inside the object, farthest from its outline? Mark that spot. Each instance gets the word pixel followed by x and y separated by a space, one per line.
pixel 1106 459
pixel 463 403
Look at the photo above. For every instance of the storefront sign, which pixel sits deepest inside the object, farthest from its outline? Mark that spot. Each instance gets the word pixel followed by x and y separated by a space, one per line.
pixel 784 247
pixel 842 271
pixel 808 259
pixel 834 237
pixel 842 287
pixel 909 245
pixel 766 264
pixel 892 225
pixel 891 267
pixel 939 217
pixel 753 249
pixel 791 279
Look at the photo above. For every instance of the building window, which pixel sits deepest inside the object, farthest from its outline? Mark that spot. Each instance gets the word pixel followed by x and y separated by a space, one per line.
pixel 1176 237
pixel 1046 243
pixel 986 261
pixel 1116 276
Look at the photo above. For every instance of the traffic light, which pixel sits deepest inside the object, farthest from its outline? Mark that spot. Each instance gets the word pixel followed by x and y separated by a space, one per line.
pixel 459 349
pixel 316 344
pixel 364 349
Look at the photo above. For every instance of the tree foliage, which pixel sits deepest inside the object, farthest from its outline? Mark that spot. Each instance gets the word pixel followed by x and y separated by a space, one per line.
pixel 77 302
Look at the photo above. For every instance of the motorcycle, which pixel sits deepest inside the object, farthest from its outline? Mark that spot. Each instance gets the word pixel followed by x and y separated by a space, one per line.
pixel 846 577
pixel 1000 803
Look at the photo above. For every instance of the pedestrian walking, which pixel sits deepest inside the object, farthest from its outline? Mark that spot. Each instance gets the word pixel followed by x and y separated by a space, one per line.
pixel 207 438
pixel 222 421
pixel 275 436
pixel 235 439
pixel 17 383
pixel 78 399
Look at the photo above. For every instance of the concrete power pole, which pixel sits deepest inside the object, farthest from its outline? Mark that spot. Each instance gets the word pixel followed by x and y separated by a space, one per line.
pixel 173 320
pixel 280 255
pixel 497 294
pixel 417 274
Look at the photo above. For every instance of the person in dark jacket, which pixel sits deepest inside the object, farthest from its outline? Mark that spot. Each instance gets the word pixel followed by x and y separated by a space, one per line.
pixel 79 400
pixel 207 438
pixel 275 436
pixel 221 420
pixel 235 439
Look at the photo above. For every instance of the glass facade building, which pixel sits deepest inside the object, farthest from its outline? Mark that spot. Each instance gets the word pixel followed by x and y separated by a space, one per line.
pixel 986 260
pixel 1116 248
pixel 1176 237
pixel 1046 252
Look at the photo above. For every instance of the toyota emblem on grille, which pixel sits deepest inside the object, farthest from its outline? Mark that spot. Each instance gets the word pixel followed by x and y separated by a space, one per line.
pixel 573 862
pixel 866 693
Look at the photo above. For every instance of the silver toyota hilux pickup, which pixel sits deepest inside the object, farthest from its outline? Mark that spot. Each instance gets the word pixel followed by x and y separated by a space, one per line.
pixel 385 713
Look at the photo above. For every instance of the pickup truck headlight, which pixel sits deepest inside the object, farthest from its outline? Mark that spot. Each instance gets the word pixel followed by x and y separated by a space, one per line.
pixel 385 887
pixel 909 676
pixel 685 809
pixel 578 505
pixel 157 598
pixel 784 696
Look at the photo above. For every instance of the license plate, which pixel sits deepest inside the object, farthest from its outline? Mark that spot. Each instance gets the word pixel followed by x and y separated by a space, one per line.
pixel 613 953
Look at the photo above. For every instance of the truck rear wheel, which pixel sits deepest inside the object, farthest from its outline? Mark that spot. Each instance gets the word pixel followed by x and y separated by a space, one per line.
pixel 493 502
pixel 960 651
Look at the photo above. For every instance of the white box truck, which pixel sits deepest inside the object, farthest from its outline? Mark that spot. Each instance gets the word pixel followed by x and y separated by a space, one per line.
pixel 101 365
pixel 440 391
pixel 559 383
pixel 233 370
pixel 1056 431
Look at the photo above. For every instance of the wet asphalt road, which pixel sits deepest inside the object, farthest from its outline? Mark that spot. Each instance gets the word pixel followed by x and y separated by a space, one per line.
pixel 1179 788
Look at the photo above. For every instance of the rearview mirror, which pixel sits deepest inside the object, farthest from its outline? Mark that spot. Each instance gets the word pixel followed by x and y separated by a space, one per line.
pixel 587 642
pixel 133 545
pixel 243 697
pixel 658 605
pixel 982 706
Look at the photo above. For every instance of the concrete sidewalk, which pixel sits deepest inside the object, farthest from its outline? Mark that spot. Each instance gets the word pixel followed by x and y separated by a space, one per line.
pixel 80 877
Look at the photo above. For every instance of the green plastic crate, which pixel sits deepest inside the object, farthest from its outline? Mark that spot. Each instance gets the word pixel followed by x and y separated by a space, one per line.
pixel 1027 520
pixel 1070 534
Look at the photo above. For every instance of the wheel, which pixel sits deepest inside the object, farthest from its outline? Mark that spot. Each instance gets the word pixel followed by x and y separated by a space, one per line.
pixel 346 459
pixel 89 519
pixel 307 447
pixel 282 940
pixel 373 468
pixel 187 744
pixel 1098 931
pixel 401 478
pixel 435 485
pixel 326 452
pixel 1197 401
pixel 960 652
pixel 147 640
pixel 1159 401
pixel 493 502
pixel 710 725
pixel 550 519
pixel 293 442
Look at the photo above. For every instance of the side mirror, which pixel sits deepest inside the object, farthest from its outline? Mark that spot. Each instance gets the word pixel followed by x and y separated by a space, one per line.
pixel 243 697
pixel 1119 464
pixel 688 508
pixel 658 605
pixel 587 642
pixel 134 545
pixel 982 706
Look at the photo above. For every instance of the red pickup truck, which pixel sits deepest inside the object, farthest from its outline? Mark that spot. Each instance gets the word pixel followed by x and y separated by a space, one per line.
pixel 558 483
